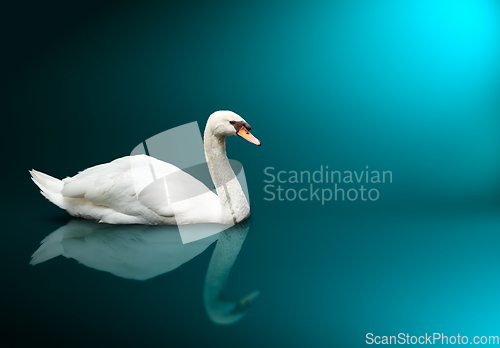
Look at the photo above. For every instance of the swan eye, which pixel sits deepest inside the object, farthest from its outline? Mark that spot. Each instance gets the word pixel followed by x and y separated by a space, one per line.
pixel 232 122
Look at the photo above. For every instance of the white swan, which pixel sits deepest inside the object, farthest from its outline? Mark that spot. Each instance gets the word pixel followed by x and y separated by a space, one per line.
pixel 124 191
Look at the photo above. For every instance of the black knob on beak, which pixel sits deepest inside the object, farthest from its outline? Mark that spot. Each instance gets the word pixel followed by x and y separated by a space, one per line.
pixel 238 125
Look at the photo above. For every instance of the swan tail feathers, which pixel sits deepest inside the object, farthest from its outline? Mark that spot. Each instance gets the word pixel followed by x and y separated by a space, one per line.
pixel 50 187
pixel 46 252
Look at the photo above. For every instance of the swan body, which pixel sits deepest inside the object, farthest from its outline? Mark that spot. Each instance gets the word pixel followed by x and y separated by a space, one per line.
pixel 144 190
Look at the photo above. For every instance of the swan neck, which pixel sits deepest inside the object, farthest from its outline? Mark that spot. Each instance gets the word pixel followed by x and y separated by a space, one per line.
pixel 233 202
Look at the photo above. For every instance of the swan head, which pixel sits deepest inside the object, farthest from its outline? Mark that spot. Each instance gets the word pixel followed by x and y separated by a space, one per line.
pixel 226 123
pixel 223 311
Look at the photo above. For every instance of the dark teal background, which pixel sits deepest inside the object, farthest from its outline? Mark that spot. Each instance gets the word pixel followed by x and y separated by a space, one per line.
pixel 407 86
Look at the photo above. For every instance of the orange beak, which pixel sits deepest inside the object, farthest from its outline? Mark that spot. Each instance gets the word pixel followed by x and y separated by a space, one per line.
pixel 244 133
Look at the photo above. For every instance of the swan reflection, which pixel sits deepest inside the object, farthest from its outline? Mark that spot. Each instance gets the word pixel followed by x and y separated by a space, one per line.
pixel 142 252
pixel 221 309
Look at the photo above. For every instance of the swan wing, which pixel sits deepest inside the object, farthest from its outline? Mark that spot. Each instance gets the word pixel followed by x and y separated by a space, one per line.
pixel 140 189
pixel 109 192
